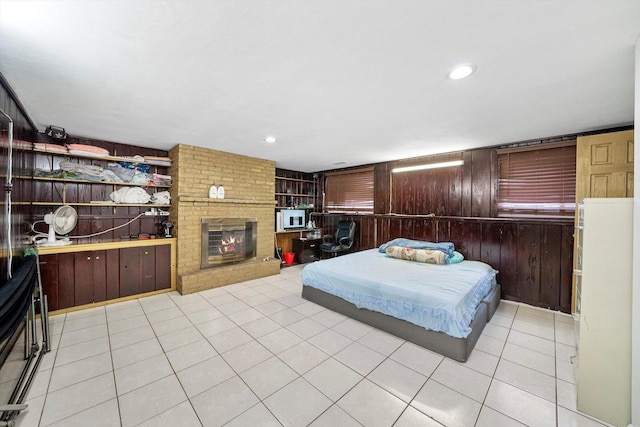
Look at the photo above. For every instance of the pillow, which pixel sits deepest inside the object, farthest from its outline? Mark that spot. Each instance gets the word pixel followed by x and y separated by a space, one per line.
pixel 455 258
pixel 428 256
pixel 446 247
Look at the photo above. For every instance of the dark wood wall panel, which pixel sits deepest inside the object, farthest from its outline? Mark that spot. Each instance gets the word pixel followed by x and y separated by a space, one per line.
pixel 22 164
pixel 533 258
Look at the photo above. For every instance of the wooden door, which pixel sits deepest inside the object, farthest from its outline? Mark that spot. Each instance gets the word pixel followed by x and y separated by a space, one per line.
pixel 604 168
pixel 604 165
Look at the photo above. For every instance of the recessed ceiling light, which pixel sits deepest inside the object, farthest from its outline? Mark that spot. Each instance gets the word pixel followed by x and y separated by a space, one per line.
pixel 461 71
pixel 270 139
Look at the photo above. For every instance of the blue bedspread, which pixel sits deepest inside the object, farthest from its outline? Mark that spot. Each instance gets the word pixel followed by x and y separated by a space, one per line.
pixel 437 297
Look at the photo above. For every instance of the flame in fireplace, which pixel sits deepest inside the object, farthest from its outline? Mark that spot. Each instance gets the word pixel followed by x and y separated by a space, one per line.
pixel 231 244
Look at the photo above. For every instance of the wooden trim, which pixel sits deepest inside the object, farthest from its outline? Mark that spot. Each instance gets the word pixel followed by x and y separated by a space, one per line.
pixel 49 250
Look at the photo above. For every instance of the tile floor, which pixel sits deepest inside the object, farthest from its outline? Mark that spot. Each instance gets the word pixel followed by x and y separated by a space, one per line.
pixel 256 354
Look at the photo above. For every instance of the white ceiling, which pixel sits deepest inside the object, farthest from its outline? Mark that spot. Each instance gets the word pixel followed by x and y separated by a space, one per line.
pixel 351 81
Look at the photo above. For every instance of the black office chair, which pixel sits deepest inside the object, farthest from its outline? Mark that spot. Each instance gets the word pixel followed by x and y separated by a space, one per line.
pixel 341 241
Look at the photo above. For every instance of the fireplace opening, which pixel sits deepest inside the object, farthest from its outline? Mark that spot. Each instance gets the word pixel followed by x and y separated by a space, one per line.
pixel 227 240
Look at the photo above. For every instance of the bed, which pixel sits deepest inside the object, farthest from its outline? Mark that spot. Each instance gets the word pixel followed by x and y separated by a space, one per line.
pixel 442 307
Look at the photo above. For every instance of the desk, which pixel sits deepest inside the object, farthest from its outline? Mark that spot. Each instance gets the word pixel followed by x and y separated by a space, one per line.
pixel 284 239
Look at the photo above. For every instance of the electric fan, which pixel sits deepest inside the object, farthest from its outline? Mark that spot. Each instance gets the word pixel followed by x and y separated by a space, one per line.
pixel 61 221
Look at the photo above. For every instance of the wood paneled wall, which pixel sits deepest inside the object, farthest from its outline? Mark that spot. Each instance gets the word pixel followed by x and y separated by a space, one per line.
pixel 23 129
pixel 534 258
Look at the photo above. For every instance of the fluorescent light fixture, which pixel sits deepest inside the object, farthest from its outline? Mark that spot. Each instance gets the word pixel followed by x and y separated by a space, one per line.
pixel 461 71
pixel 429 166
pixel 270 139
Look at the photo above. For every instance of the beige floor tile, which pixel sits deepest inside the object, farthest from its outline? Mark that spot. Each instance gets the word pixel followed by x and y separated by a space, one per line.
pixel 224 402
pixel 446 406
pixel 464 380
pixel 133 336
pixel 81 370
pixel 76 398
pixel 73 353
pixel 303 357
pixel 268 377
pixel 279 340
pixel 258 416
pixel 180 338
pixel 190 354
pixel 150 400
pixel 81 335
pixel 371 405
pixel 332 378
pixel 130 354
pixel 204 376
pixel 306 328
pixel 491 418
pixel 106 414
pixel 523 407
pixel 397 379
pixel 335 416
pixel 417 358
pixel 142 373
pixel 330 341
pixel 359 358
pixel 246 356
pixel 229 339
pixel 532 381
pixel 529 358
pixel 411 417
pixel 181 415
pixel 297 404
pixel 381 342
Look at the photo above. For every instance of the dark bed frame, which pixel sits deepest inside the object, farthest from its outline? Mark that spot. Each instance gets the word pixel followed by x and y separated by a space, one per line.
pixel 454 348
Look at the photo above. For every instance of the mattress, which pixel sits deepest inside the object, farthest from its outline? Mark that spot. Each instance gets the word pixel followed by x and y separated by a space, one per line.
pixel 441 298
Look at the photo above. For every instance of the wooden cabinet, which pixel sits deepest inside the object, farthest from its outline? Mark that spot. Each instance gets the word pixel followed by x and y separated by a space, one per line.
pixel 603 382
pixel 306 250
pixel 80 275
pixel 285 239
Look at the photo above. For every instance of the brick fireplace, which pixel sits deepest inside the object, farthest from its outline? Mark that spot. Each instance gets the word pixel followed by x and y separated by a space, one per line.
pixel 249 192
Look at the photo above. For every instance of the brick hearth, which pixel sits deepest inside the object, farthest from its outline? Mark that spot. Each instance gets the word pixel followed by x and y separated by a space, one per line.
pixel 249 193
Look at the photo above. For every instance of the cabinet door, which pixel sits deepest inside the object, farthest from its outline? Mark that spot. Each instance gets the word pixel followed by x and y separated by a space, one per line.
pixel 83 278
pixel 130 271
pixel 49 278
pixel 66 280
pixel 112 268
pixel 99 276
pixel 163 267
pixel 148 267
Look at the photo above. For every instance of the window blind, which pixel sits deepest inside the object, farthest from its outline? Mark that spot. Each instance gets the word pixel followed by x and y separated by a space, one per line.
pixel 537 180
pixel 349 191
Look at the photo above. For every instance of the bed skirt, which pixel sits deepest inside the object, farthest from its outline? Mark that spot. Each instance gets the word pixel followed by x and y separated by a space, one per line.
pixel 451 347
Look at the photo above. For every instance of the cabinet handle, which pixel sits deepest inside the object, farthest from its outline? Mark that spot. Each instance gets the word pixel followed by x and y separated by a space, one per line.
pixel 97 257
pixel 146 253
pixel 88 258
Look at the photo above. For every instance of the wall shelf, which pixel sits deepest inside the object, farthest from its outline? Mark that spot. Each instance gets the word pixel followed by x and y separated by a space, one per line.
pixel 83 181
